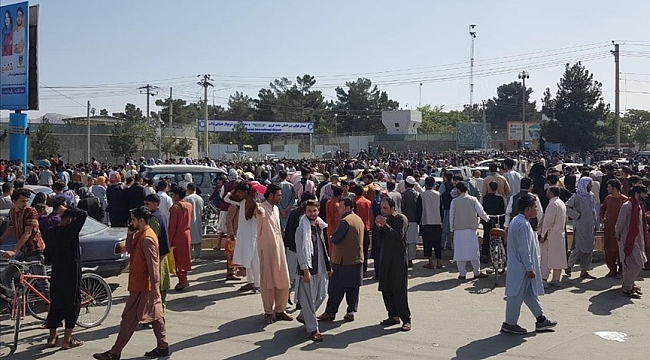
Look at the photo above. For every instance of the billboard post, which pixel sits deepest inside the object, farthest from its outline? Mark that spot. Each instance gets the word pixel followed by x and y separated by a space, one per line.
pixel 18 137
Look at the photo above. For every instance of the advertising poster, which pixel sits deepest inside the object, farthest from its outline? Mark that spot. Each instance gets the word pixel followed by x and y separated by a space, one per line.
pixel 515 131
pixel 14 59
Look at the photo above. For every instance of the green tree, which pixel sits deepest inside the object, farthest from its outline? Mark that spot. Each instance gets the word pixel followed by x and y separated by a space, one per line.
pixel 436 120
pixel 638 122
pixel 240 107
pixel 240 135
pixel 44 143
pixel 182 147
pixel 359 108
pixel 103 112
pixel 506 106
pixel 122 142
pixel 575 110
pixel 129 132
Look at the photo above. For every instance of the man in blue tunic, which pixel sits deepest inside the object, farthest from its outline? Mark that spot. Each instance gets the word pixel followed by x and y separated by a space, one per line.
pixel 524 280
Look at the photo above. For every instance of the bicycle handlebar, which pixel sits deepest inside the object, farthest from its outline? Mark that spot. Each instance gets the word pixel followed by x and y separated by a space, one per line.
pixel 22 264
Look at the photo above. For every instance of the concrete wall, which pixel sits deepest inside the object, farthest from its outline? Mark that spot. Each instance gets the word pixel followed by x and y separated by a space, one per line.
pixel 73 147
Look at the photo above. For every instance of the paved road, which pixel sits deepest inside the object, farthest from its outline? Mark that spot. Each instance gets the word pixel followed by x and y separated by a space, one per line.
pixel 451 320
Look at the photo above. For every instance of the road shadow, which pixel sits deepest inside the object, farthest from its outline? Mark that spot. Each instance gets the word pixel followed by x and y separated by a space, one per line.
pixel 196 302
pixel 605 302
pixel 488 347
pixel 581 286
pixel 483 286
pixel 232 329
pixel 443 285
pixel 281 342
pixel 344 339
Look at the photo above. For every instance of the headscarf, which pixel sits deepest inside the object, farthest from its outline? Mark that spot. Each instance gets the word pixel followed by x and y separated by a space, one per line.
pixel 84 193
pixel 115 178
pixel 232 175
pixel 582 190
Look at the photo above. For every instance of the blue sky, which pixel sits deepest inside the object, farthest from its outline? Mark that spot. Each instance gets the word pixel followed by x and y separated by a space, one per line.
pixel 113 47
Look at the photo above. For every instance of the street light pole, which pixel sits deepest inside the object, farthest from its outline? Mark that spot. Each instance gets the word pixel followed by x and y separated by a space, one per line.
pixel 523 76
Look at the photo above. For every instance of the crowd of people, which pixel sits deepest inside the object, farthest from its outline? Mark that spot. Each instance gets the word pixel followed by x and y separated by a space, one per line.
pixel 311 226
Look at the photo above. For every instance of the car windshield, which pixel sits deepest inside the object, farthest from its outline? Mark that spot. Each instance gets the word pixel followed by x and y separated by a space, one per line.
pixel 198 177
pixel 91 226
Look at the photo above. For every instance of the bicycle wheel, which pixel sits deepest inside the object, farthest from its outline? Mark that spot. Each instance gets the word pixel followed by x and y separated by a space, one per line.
pixel 96 300
pixel 36 307
pixel 18 314
pixel 494 255
pixel 504 257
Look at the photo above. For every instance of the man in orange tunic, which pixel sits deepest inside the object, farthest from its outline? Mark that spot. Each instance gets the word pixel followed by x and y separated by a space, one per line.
pixel 609 210
pixel 333 216
pixel 364 210
pixel 144 304
pixel 180 236
pixel 274 274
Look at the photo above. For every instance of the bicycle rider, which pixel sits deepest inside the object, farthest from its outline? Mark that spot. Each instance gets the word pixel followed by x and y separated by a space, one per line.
pixel 493 204
pixel 23 224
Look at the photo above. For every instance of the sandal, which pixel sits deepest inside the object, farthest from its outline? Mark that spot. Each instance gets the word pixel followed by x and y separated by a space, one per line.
pixel 268 319
pixel 631 294
pixel 389 322
pixel 327 317
pixel 316 336
pixel 300 319
pixel 73 344
pixel 429 266
pixel 107 355
pixel 157 352
pixel 49 345
pixel 406 327
pixel 232 277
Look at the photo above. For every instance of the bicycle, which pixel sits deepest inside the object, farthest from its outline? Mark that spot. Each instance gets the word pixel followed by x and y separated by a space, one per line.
pixel 95 294
pixel 210 218
pixel 498 255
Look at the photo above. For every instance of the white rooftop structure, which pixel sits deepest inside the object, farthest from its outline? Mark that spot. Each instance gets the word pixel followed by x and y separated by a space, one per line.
pixel 401 122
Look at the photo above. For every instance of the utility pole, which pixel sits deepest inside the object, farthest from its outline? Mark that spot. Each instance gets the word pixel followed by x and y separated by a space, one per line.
pixel 523 76
pixel 150 90
pixel 472 35
pixel 160 122
pixel 617 97
pixel 205 82
pixel 88 135
pixel 485 132
pixel 171 111
pixel 420 102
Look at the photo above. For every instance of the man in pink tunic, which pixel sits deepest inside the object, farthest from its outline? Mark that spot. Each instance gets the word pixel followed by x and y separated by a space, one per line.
pixel 180 237
pixel 274 275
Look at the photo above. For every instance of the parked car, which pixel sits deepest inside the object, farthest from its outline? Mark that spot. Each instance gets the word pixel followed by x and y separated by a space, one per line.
pixel 103 249
pixel 203 176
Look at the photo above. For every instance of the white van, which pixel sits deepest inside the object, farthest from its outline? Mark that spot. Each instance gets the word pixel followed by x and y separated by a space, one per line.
pixel 203 176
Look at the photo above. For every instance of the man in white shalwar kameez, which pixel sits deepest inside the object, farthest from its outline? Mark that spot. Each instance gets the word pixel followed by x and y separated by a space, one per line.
pixel 246 246
pixel 581 207
pixel 314 267
pixel 463 219
pixel 524 280
pixel 552 243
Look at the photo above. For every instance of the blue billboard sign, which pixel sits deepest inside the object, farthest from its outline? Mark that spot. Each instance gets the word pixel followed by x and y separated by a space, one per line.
pixel 14 59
